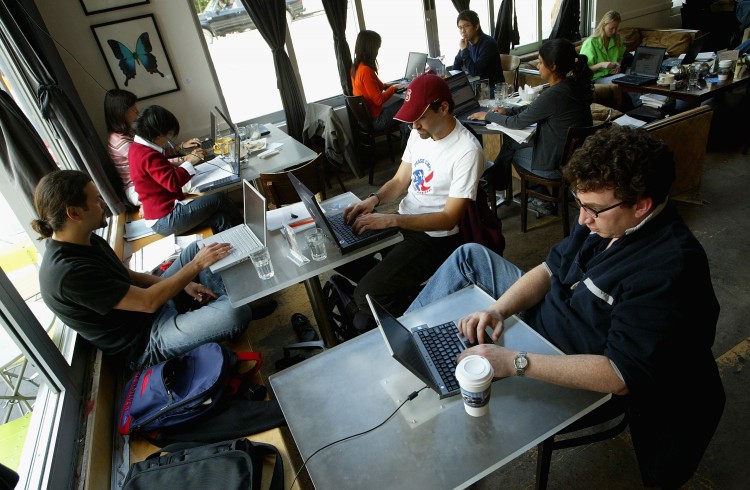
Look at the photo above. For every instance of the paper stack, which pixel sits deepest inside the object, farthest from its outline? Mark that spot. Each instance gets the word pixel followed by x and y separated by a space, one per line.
pixel 654 100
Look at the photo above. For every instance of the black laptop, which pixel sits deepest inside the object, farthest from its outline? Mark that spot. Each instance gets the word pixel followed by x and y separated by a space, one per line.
pixel 690 55
pixel 646 67
pixel 428 352
pixel 334 227
pixel 464 98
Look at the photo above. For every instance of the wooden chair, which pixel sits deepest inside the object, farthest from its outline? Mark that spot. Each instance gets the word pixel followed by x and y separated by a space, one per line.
pixel 558 187
pixel 367 134
pixel 510 64
pixel 279 190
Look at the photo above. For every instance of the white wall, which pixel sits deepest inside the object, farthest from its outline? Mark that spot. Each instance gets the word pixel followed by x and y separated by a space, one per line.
pixel 199 91
pixel 641 13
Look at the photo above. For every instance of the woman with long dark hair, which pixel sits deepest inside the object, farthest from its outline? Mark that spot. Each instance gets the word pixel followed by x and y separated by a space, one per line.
pixel 365 81
pixel 566 103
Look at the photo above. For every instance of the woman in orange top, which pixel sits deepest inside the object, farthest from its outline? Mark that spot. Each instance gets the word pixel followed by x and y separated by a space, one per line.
pixel 365 81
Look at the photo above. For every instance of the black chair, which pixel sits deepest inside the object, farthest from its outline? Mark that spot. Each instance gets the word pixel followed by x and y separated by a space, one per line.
pixel 279 190
pixel 367 134
pixel 604 422
pixel 558 187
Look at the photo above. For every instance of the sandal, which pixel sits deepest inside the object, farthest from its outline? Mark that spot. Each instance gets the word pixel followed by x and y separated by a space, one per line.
pixel 303 328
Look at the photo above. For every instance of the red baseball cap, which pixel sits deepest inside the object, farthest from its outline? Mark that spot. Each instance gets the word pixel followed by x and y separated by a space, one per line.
pixel 423 91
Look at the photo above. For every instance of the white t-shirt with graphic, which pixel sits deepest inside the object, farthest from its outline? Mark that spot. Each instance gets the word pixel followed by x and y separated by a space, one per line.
pixel 448 167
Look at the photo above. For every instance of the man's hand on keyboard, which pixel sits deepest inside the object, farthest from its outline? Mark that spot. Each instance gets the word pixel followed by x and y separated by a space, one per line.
pixel 211 253
pixel 372 221
pixel 351 213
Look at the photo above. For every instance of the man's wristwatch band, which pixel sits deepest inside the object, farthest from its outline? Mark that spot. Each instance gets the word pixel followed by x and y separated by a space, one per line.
pixel 376 195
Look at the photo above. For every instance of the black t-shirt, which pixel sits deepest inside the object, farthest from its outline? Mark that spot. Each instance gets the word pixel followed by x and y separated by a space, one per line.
pixel 82 284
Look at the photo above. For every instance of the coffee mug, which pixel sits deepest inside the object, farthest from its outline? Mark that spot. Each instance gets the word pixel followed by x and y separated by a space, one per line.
pixel 666 78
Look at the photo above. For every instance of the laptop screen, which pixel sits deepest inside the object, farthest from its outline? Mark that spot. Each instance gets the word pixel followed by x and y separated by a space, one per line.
pixel 415 65
pixel 235 162
pixel 255 210
pixel 647 61
pixel 463 94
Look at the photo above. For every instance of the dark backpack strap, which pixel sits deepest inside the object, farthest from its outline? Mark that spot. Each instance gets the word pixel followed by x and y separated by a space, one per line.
pixel 277 479
pixel 236 381
pixel 173 448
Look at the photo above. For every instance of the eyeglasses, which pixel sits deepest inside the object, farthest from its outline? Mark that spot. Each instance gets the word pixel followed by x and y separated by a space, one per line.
pixel 464 27
pixel 594 213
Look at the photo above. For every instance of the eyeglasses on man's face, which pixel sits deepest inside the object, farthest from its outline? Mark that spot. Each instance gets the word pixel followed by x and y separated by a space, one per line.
pixel 594 213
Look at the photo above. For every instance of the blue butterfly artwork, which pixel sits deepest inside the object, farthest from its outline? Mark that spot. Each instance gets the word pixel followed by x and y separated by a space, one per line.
pixel 128 59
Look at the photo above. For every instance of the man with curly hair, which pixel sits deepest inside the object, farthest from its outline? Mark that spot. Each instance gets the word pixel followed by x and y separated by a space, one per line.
pixel 627 296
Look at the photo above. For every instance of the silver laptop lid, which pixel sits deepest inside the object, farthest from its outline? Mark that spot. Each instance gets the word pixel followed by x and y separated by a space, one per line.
pixel 255 210
pixel 415 64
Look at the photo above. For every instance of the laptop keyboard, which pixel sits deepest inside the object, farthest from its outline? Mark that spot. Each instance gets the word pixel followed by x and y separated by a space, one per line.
pixel 634 79
pixel 345 232
pixel 231 179
pixel 242 242
pixel 443 346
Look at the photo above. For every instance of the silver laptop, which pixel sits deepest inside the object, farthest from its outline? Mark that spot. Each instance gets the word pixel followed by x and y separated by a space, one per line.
pixel 234 163
pixel 414 65
pixel 436 65
pixel 245 238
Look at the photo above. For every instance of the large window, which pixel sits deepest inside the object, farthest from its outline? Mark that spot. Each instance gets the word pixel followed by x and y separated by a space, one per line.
pixel 448 33
pixel 41 382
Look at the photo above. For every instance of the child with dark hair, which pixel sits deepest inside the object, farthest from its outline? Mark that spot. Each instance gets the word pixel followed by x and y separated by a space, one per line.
pixel 159 182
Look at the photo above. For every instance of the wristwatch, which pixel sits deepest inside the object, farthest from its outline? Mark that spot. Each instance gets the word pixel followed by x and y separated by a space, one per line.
pixel 376 195
pixel 521 362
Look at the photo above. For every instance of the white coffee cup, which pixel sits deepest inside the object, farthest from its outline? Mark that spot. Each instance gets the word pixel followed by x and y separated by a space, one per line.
pixel 474 375
pixel 666 78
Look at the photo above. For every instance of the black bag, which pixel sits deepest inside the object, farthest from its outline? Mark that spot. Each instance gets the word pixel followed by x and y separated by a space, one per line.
pixel 346 319
pixel 229 465
pixel 480 225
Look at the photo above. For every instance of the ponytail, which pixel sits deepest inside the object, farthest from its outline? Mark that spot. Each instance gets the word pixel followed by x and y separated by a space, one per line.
pixel 581 74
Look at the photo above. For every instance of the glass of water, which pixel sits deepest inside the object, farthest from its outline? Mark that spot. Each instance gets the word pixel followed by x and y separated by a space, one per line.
pixel 502 92
pixel 262 261
pixel 316 243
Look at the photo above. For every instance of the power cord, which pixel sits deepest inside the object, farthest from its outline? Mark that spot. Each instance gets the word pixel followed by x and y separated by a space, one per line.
pixel 412 396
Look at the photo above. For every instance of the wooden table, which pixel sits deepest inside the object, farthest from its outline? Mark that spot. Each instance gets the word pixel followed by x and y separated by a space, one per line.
pixel 694 96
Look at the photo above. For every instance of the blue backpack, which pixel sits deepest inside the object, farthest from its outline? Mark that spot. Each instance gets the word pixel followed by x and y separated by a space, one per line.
pixel 181 389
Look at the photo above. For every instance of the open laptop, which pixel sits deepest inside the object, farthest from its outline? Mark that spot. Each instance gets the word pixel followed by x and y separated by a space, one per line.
pixel 245 238
pixel 414 65
pixel 464 98
pixel 690 55
pixel 646 67
pixel 333 226
pixel 436 65
pixel 234 163
pixel 428 352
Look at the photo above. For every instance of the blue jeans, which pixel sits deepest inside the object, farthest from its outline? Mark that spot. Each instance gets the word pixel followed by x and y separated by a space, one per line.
pixel 470 264
pixel 214 210
pixel 174 333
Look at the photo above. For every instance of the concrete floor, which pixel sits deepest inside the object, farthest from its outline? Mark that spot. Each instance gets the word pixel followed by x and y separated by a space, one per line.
pixel 721 225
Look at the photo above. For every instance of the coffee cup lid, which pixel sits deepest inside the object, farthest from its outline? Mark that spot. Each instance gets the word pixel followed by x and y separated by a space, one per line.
pixel 474 369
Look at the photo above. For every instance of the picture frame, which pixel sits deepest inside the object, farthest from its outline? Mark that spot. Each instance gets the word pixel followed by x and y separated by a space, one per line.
pixel 91 7
pixel 135 56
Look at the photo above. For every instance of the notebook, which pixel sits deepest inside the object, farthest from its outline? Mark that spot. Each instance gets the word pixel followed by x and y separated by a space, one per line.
pixel 646 67
pixel 436 65
pixel 245 238
pixel 217 183
pixel 417 349
pixel 333 226
pixel 464 98
pixel 690 55
pixel 414 65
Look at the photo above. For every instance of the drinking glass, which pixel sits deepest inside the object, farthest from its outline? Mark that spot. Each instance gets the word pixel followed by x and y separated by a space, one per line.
pixel 693 71
pixel 316 243
pixel 262 261
pixel 502 92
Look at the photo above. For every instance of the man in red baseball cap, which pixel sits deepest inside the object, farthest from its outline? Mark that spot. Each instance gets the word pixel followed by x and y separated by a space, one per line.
pixel 439 172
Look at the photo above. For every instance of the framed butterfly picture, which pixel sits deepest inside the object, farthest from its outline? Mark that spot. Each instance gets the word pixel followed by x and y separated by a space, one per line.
pixel 135 56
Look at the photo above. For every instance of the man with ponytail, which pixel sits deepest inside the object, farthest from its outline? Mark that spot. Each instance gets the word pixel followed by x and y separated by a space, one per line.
pixel 136 319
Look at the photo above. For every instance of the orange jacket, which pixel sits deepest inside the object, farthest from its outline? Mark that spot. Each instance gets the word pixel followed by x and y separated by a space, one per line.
pixel 366 83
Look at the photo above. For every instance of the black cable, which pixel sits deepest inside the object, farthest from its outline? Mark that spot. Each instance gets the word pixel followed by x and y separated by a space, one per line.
pixel 412 396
